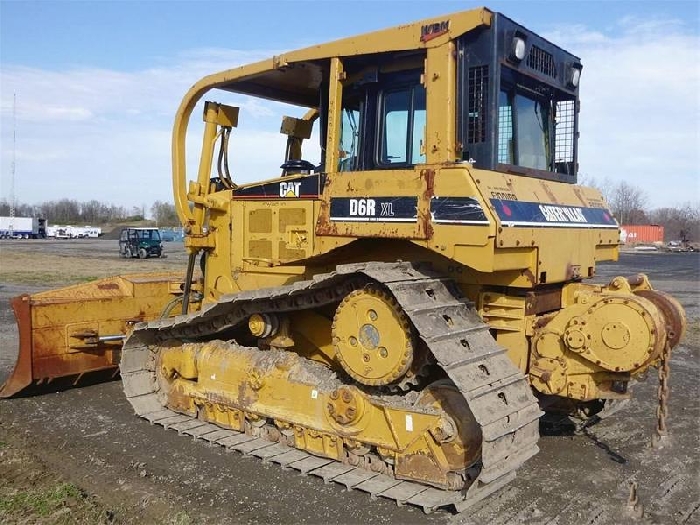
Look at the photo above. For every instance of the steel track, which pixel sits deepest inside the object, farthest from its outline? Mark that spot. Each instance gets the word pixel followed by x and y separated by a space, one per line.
pixel 496 391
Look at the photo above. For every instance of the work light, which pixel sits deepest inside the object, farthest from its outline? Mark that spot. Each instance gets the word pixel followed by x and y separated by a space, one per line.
pixel 574 75
pixel 518 48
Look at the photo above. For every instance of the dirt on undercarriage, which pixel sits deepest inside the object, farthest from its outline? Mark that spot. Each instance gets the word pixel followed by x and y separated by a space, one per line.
pixel 81 456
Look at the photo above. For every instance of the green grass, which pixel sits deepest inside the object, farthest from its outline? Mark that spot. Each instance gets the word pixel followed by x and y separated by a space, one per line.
pixel 181 518
pixel 39 502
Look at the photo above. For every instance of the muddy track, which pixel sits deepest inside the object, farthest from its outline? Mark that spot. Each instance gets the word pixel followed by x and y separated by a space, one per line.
pixel 496 391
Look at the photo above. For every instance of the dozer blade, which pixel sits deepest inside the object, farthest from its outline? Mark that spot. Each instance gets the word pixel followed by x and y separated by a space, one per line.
pixel 78 330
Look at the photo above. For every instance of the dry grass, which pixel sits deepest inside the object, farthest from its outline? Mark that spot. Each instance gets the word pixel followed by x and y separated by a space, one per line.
pixel 38 267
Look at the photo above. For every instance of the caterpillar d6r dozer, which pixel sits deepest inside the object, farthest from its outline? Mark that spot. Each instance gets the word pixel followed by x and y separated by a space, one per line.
pixel 397 316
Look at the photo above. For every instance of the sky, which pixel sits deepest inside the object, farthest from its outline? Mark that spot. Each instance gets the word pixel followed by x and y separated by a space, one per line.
pixel 89 89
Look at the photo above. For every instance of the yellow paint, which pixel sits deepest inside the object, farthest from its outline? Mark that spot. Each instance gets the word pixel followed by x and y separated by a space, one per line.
pixel 372 337
pixel 286 392
pixel 601 335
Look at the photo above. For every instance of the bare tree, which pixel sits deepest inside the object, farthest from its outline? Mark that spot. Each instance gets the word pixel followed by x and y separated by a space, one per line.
pixel 66 211
pixel 628 203
pixel 90 212
pixel 164 214
pixel 682 223
pixel 606 186
pixel 4 207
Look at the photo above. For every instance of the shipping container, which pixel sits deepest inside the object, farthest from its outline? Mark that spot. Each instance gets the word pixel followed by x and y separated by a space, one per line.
pixel 641 234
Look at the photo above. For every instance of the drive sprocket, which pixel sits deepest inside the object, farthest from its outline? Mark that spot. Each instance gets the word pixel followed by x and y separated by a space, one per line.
pixel 372 337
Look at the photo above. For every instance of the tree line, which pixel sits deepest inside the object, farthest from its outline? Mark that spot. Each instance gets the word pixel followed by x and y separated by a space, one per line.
pixel 630 206
pixel 93 213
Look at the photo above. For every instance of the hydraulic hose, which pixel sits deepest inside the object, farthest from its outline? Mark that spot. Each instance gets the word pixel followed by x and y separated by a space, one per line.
pixel 188 283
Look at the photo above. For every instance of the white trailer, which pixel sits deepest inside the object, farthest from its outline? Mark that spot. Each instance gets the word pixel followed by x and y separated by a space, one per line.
pixel 77 232
pixel 74 232
pixel 22 228
pixel 63 232
pixel 82 232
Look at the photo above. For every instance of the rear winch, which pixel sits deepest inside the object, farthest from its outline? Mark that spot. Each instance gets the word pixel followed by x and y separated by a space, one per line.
pixel 601 337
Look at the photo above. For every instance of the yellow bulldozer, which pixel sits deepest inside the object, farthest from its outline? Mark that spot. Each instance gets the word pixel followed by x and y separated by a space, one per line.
pixel 397 316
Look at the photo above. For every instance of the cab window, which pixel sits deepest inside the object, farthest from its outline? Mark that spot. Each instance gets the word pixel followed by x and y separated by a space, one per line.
pixel 349 139
pixel 402 121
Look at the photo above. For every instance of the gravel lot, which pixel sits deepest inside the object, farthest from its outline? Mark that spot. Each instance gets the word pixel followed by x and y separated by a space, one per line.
pixel 133 472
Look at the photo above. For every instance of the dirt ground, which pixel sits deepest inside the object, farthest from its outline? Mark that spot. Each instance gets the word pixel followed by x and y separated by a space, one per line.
pixel 81 456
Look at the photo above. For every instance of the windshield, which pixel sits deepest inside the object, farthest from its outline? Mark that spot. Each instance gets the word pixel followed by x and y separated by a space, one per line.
pixel 149 235
pixel 523 131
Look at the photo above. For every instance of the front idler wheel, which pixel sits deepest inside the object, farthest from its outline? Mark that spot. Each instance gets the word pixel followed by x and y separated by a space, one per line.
pixel 459 435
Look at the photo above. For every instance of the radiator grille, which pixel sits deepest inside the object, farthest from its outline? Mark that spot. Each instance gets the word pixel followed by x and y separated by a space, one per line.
pixel 542 61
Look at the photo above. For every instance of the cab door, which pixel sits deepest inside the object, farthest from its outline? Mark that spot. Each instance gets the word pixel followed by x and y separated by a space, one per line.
pixel 380 185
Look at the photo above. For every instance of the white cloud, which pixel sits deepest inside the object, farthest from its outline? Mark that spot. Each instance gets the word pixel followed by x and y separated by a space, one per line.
pixel 640 99
pixel 86 133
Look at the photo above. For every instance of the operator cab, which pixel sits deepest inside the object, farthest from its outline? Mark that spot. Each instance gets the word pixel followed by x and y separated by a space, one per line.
pixel 517 109
pixel 512 94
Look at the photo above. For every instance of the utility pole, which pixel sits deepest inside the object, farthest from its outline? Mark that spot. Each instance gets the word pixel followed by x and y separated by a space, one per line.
pixel 12 168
